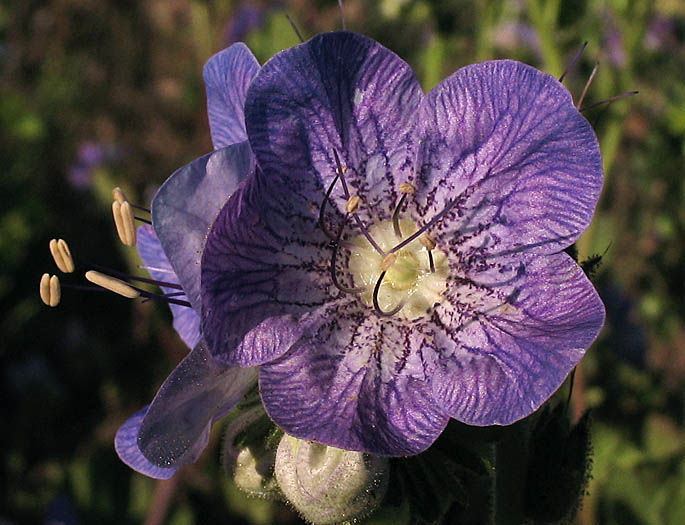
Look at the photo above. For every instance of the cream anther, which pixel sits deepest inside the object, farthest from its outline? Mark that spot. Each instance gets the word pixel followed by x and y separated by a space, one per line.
pixel 388 261
pixel 50 290
pixel 112 284
pixel 406 187
pixel 119 196
pixel 123 220
pixel 427 242
pixel 62 255
pixel 352 203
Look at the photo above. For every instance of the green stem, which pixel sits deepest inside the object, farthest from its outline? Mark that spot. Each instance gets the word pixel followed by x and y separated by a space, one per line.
pixel 544 20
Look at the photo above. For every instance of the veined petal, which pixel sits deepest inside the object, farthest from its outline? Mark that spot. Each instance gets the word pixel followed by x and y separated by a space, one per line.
pixel 356 383
pixel 504 143
pixel 186 320
pixel 199 391
pixel 227 76
pixel 337 91
pixel 185 207
pixel 264 273
pixel 126 446
pixel 509 333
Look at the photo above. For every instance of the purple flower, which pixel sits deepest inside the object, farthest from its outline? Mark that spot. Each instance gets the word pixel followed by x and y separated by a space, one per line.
pixel 174 429
pixel 445 292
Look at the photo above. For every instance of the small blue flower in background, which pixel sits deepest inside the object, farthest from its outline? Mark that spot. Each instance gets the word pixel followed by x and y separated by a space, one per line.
pixel 91 155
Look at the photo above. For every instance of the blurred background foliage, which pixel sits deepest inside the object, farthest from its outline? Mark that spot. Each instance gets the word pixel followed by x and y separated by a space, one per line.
pixel 98 93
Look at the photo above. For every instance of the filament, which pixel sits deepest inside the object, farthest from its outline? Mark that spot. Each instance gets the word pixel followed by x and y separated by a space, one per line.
pixel 573 61
pixel 376 306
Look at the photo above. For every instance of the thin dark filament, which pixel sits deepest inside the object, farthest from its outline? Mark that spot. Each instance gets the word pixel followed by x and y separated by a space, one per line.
pixel 426 226
pixel 141 208
pixel 573 61
pixel 610 100
pixel 346 192
pixel 376 306
pixel 342 15
pixel 146 221
pixel 431 262
pixel 396 216
pixel 130 277
pixel 292 24
pixel 334 276
pixel 158 297
pixel 322 222
pixel 587 86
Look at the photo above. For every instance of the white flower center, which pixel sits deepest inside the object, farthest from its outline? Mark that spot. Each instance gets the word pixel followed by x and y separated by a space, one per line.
pixel 408 279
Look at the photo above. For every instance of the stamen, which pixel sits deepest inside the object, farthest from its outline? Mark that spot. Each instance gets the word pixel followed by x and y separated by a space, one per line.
pixel 573 61
pixel 426 226
pixel 334 277
pixel 322 222
pixel 407 188
pixel 50 290
pixel 376 306
pixel 396 216
pixel 587 86
pixel 609 100
pixel 352 203
pixel 132 277
pixel 112 284
pixel 62 255
pixel 123 220
pixel 141 219
pixel 292 24
pixel 341 173
pixel 342 15
pixel 429 244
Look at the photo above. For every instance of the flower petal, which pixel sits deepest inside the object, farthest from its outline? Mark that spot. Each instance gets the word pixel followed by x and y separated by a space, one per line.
pixel 186 320
pixel 264 273
pixel 508 335
pixel 198 392
pixel 337 91
pixel 354 384
pixel 504 143
pixel 227 76
pixel 126 446
pixel 185 207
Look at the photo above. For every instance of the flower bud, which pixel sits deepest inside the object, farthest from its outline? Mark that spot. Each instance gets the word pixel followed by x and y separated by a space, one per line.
pixel 248 454
pixel 328 484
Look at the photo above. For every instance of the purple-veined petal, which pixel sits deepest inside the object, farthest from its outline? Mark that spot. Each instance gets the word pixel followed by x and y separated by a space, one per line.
pixel 509 333
pixel 227 76
pixel 337 91
pixel 264 274
pixel 504 142
pixel 186 320
pixel 126 446
pixel 355 383
pixel 199 391
pixel 185 207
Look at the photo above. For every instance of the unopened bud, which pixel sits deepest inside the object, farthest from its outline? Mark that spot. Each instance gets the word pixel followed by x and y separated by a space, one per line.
pixel 329 485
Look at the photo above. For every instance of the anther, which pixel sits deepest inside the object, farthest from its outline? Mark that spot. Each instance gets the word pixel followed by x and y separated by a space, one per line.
pixel 112 284
pixel 352 203
pixel 62 255
pixel 377 306
pixel 118 195
pixel 428 244
pixel 50 290
pixel 123 220
pixel 388 261
pixel 406 187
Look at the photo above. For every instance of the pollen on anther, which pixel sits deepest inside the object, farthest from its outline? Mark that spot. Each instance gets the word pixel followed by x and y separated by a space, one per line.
pixel 112 284
pixel 123 220
pixel 406 187
pixel 50 290
pixel 62 255
pixel 352 203
pixel 388 261
pixel 427 242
